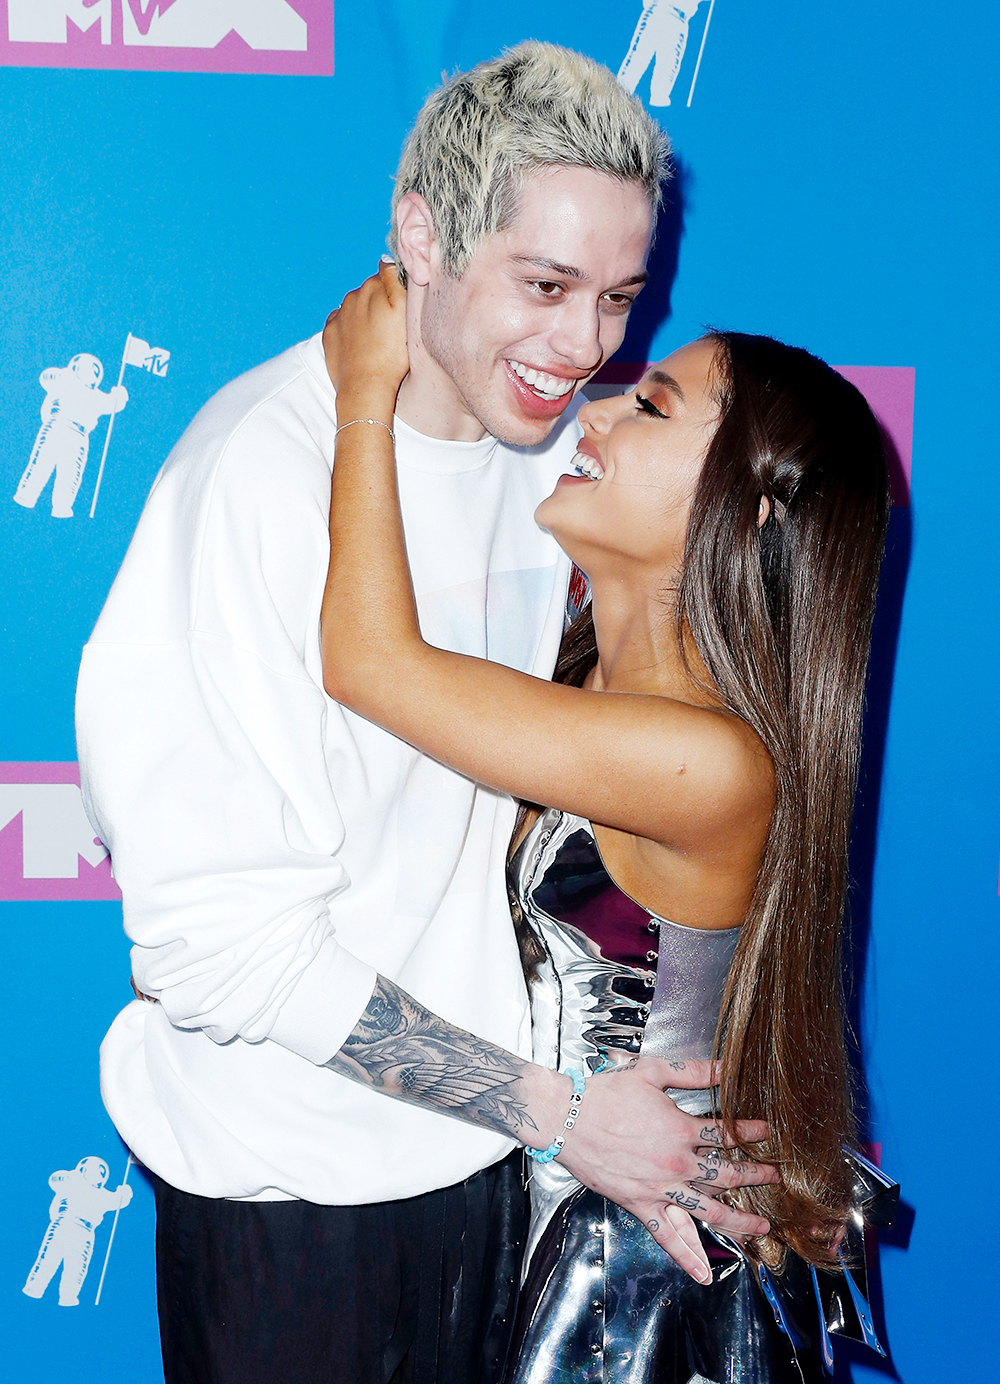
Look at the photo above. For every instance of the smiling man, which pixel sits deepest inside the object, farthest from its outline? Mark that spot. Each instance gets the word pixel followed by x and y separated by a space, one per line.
pixel 291 874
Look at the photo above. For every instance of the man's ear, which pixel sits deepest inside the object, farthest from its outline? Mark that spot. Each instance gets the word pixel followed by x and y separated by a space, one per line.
pixel 415 237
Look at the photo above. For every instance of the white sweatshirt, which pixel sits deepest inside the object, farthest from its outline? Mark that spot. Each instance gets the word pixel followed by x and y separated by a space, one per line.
pixel 275 851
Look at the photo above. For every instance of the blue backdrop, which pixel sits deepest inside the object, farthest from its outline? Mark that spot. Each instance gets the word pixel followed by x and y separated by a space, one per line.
pixel 830 190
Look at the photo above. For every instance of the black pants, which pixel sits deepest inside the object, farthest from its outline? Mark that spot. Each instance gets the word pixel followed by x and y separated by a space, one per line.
pixel 420 1291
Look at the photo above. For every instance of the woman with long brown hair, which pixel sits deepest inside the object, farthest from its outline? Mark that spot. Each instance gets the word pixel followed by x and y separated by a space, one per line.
pixel 697 758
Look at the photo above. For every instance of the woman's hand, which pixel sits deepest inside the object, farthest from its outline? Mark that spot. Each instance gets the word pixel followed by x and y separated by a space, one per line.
pixel 365 345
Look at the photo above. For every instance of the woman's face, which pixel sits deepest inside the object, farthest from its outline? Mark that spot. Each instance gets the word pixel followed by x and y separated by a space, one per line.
pixel 641 455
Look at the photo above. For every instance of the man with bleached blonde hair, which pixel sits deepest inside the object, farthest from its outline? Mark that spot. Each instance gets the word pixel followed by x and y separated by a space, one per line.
pixel 318 912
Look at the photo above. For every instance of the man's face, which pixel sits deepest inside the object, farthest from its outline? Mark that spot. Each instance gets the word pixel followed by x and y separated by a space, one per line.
pixel 542 304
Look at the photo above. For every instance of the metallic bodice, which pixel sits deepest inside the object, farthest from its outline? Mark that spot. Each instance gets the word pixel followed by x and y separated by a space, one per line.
pixel 584 1005
pixel 601 1302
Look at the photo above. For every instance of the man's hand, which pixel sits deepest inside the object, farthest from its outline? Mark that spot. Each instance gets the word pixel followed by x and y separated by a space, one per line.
pixel 365 341
pixel 633 1145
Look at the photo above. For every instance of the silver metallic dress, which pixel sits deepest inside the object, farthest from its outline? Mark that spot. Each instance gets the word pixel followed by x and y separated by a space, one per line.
pixel 601 1302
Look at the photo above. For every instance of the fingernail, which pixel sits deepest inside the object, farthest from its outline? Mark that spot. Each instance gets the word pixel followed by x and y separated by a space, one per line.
pixel 386 259
pixel 706 1277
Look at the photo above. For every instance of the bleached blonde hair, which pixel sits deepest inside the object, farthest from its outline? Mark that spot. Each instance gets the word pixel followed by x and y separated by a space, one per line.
pixel 535 106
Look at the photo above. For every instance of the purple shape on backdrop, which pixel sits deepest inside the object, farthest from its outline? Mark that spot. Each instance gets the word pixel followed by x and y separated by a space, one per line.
pixel 889 390
pixel 92 881
pixel 282 37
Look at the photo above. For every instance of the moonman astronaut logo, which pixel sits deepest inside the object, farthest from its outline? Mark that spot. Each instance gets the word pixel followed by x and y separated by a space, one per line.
pixel 80 1203
pixel 660 38
pixel 74 404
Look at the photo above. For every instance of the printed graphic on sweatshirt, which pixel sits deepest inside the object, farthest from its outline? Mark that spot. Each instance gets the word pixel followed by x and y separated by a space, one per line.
pixel 73 406
pixel 660 41
pixel 287 37
pixel 889 390
pixel 79 1204
pixel 47 847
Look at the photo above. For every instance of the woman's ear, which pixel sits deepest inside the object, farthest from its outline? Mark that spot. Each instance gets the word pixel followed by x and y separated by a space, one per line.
pixel 764 512
pixel 415 237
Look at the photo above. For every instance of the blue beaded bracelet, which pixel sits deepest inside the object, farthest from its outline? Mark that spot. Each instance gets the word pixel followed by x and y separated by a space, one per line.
pixel 547 1155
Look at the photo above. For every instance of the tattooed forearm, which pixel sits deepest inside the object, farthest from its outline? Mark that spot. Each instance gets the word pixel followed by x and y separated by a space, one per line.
pixel 402 1049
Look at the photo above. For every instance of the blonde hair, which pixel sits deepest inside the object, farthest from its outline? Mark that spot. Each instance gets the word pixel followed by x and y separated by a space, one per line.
pixel 536 106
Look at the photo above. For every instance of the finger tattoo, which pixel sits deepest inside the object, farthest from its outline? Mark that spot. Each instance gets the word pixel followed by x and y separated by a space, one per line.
pixel 687 1201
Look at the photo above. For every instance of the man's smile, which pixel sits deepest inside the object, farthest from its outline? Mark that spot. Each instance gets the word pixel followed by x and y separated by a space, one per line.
pixel 545 385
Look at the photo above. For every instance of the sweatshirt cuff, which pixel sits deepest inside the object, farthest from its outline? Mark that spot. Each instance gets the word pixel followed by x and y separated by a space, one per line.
pixel 324 1007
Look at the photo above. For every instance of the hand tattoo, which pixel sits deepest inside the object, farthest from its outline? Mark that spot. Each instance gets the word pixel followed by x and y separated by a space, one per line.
pixel 653 1225
pixel 710 1135
pixel 400 1048
pixel 687 1202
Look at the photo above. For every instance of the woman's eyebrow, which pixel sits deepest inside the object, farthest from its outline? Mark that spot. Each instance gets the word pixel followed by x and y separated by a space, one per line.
pixel 667 381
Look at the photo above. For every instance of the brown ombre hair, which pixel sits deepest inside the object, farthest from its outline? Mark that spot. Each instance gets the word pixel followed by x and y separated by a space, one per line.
pixel 780 613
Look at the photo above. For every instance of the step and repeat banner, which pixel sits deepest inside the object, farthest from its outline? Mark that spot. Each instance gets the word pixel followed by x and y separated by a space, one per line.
pixel 188 186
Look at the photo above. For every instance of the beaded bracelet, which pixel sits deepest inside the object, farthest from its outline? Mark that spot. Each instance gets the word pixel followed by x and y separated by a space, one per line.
pixel 547 1155
pixel 375 422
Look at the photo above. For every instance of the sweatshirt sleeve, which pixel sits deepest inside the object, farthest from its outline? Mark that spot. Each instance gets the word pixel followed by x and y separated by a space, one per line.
pixel 201 725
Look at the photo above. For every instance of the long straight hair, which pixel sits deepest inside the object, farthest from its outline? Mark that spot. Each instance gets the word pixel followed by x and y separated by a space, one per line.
pixel 780 613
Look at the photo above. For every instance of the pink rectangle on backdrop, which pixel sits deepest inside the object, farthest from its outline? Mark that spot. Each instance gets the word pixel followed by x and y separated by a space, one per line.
pixel 92 882
pixel 889 390
pixel 282 37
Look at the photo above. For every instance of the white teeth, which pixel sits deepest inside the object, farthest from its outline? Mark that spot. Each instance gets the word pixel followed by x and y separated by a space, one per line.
pixel 549 386
pixel 588 466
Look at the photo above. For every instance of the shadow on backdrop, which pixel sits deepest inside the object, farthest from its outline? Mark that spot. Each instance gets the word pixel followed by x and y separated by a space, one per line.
pixel 885 638
pixel 652 307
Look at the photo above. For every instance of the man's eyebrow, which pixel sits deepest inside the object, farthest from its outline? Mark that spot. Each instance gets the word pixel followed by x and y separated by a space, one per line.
pixel 562 271
pixel 569 271
pixel 667 381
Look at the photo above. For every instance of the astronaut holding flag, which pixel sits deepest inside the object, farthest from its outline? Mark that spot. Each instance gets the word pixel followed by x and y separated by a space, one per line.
pixel 73 406
pixel 80 1203
pixel 660 38
pixel 71 410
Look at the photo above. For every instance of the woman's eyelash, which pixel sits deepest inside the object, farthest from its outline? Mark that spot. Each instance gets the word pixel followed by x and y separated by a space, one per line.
pixel 648 407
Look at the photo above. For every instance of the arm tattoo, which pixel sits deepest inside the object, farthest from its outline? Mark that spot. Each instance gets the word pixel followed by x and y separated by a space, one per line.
pixel 400 1048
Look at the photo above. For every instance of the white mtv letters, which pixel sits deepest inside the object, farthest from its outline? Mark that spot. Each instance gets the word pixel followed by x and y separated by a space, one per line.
pixel 55 827
pixel 44 21
pixel 72 406
pixel 660 38
pixel 80 1203
pixel 263 24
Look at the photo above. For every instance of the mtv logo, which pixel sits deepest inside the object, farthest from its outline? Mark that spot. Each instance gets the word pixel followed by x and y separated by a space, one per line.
pixel 269 24
pixel 44 21
pixel 156 362
pixel 285 36
pixel 47 846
